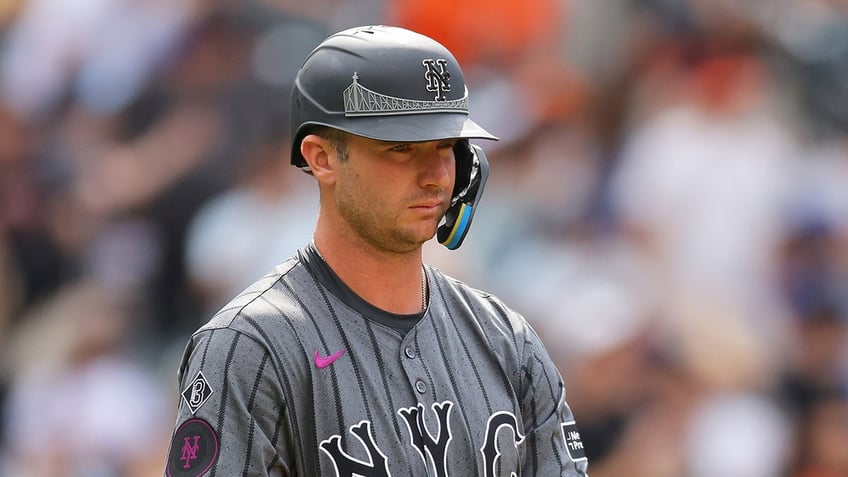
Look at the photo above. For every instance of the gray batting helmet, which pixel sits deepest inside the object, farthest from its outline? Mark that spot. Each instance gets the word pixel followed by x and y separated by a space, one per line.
pixel 392 84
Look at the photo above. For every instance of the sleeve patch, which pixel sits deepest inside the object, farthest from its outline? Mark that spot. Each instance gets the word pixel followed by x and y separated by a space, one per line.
pixel 573 444
pixel 197 392
pixel 194 449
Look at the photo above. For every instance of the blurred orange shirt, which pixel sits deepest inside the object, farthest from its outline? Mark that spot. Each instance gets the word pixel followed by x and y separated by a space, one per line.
pixel 482 30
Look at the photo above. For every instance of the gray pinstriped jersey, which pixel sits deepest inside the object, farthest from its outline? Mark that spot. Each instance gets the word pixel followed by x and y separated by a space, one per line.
pixel 287 379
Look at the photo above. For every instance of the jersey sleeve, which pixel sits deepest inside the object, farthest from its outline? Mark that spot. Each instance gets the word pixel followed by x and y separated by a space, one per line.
pixel 231 417
pixel 553 441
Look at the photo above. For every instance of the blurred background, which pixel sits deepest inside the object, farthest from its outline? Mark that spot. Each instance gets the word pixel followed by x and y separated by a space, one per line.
pixel 668 205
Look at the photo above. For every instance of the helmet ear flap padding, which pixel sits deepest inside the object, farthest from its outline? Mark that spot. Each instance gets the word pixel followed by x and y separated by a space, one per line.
pixel 472 171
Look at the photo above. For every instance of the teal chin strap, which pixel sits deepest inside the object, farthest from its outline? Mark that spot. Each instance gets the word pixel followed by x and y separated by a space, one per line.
pixel 474 168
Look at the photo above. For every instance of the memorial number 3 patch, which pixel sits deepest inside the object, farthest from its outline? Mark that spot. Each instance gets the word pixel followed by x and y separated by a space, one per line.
pixel 193 450
pixel 573 444
pixel 197 392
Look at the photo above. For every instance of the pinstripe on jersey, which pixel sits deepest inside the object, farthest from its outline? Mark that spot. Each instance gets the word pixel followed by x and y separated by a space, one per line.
pixel 470 390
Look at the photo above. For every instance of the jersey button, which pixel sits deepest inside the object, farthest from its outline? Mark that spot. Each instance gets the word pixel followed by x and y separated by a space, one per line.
pixel 420 386
pixel 409 352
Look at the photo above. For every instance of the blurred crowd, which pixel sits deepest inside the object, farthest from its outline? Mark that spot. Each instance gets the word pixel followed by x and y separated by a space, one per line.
pixel 668 205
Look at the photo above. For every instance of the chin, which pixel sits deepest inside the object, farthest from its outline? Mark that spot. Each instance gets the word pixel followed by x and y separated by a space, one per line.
pixel 417 239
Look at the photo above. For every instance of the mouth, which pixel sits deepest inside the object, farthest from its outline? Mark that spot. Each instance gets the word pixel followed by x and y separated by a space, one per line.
pixel 429 207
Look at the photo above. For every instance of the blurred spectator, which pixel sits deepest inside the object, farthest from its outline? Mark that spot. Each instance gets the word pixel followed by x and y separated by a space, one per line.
pixel 818 357
pixel 813 37
pixel 26 253
pixel 822 441
pixel 704 182
pixel 73 58
pixel 243 233
pixel 738 435
pixel 80 404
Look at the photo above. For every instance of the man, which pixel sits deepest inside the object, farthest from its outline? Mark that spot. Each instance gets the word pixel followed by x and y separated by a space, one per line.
pixel 353 358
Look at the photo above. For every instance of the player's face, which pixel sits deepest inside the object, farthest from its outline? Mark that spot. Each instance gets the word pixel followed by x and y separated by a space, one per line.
pixel 393 195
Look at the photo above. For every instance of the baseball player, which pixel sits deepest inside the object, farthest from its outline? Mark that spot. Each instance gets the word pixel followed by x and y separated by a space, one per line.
pixel 353 358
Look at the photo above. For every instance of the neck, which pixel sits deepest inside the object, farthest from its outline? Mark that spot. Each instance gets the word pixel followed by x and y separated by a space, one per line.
pixel 393 282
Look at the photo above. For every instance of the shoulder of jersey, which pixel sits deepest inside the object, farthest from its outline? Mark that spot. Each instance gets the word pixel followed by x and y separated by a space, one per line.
pixel 249 297
pixel 461 285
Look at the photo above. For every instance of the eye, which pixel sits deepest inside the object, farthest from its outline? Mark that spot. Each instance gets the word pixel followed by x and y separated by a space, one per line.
pixel 401 148
pixel 448 144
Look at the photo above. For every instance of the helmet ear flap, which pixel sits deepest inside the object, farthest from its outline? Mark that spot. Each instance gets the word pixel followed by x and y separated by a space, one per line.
pixel 464 165
pixel 472 171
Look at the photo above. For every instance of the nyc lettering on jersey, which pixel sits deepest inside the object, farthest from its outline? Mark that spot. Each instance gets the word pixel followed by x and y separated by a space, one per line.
pixel 433 449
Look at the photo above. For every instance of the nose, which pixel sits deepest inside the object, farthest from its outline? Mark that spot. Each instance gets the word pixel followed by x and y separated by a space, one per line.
pixel 437 167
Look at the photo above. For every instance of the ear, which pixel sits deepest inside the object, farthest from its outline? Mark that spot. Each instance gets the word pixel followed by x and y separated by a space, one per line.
pixel 317 151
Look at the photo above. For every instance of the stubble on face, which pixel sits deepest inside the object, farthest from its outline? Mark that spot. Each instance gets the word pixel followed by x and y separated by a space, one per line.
pixel 376 219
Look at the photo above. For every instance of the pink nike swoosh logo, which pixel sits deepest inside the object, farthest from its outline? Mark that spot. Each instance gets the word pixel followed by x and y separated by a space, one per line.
pixel 324 361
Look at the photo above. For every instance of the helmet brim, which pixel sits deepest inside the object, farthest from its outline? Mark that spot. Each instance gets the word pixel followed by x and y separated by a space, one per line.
pixel 415 127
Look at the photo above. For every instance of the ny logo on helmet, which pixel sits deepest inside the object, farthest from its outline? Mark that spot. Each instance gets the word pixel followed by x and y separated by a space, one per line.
pixel 438 78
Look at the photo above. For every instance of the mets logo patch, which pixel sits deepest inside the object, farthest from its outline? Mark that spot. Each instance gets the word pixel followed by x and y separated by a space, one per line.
pixel 197 392
pixel 194 449
pixel 573 444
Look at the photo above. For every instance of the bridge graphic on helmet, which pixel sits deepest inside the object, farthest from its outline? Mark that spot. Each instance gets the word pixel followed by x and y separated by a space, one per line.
pixel 361 101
